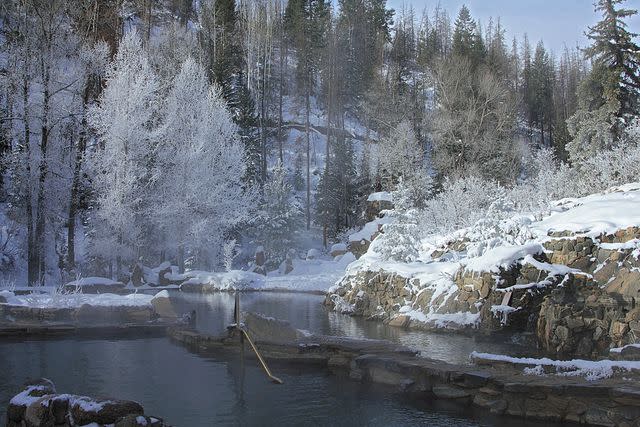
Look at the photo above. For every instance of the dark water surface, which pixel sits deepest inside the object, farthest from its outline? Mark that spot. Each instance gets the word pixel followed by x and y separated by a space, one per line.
pixel 190 390
pixel 305 311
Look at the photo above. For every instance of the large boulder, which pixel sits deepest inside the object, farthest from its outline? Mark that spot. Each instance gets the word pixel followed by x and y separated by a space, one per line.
pixel 163 306
pixel 338 249
pixel 39 405
pixel 376 203
pixel 262 328
pixel 86 410
pixel 133 420
pixel 32 392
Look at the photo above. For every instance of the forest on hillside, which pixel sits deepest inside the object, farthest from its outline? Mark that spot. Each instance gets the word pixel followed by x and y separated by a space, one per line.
pixel 196 131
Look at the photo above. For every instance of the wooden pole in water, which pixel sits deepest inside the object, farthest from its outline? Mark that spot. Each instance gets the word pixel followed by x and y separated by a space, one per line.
pixel 243 334
pixel 262 362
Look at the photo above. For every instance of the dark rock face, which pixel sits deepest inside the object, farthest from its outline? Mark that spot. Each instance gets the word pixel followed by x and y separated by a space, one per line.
pixel 162 279
pixel 38 405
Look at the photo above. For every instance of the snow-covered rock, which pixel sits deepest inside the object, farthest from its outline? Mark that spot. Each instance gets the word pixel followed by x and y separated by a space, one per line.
pixel 543 274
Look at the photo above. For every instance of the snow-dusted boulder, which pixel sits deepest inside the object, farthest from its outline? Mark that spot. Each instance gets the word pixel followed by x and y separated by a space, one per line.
pixel 376 203
pixel 38 404
pixel 359 242
pixel 163 306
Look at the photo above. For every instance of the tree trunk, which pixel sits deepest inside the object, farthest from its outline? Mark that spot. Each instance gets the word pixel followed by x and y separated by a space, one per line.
pixel 181 258
pixel 263 118
pixel 43 170
pixel 32 259
pixel 280 100
pixel 75 184
pixel 307 130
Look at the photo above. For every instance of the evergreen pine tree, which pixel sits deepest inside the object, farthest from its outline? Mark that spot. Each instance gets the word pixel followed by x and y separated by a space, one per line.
pixel 336 201
pixel 281 217
pixel 613 48
pixel 609 97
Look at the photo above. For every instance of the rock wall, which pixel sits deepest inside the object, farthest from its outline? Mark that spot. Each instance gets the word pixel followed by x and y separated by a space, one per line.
pixel 580 297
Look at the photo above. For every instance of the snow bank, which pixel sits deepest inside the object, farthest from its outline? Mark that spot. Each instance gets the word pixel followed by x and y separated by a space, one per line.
pixel 501 257
pixel 317 275
pixel 595 214
pixel 9 297
pixel 590 370
pixel 369 230
pixel 77 300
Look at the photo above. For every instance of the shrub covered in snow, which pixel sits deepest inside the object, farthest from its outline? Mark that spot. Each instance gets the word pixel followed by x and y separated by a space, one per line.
pixel 487 214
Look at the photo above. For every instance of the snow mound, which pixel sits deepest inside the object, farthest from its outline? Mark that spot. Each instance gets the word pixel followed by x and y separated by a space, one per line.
pixel 369 230
pixel 502 257
pixel 338 247
pixel 593 215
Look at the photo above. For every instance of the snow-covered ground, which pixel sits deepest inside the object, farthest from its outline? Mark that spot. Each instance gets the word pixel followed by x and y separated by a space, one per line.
pixel 316 275
pixel 311 275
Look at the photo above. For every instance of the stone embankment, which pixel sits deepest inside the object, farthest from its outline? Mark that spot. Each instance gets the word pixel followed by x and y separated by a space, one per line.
pixel 579 296
pixel 499 387
pixel 153 318
pixel 39 405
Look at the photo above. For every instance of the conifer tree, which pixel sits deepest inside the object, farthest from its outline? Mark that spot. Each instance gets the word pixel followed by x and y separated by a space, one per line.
pixel 609 96
pixel 281 216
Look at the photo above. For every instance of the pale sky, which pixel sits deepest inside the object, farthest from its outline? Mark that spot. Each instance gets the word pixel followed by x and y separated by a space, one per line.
pixel 556 22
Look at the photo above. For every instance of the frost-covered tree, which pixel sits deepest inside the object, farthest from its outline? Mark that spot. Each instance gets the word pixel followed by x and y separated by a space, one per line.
pixel 124 122
pixel 198 193
pixel 281 217
pixel 400 154
pixel 401 238
pixel 43 99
